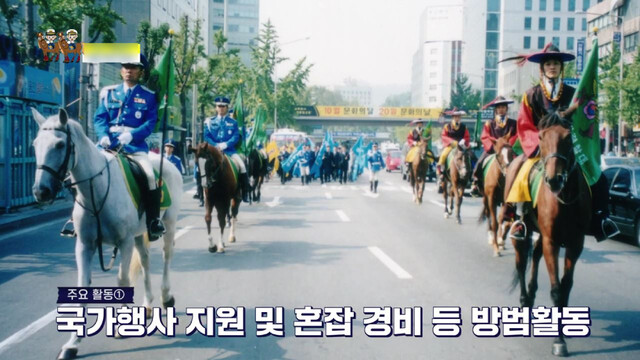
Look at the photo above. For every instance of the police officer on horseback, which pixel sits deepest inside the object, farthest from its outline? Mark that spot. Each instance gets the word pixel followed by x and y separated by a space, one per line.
pixel 500 126
pixel 222 132
pixel 126 116
pixel 549 96
pixel 453 134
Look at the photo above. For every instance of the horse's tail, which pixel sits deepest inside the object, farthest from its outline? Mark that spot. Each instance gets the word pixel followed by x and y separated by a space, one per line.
pixel 136 263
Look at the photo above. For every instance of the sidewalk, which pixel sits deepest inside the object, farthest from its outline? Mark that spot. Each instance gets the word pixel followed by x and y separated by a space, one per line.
pixel 36 214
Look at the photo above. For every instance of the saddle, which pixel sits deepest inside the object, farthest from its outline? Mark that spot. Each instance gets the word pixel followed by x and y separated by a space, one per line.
pixel 137 185
pixel 486 165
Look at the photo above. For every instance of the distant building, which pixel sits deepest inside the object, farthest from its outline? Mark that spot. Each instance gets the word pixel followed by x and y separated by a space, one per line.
pixel 526 26
pixel 629 13
pixel 243 24
pixel 355 93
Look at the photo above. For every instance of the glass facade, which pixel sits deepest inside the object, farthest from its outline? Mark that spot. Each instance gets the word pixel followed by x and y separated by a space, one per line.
pixel 491 48
pixel 493 20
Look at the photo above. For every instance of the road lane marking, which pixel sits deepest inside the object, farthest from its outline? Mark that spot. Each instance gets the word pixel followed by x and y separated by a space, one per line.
pixel 342 216
pixel 370 194
pixel 407 190
pixel 353 187
pixel 28 331
pixel 328 195
pixel 29 229
pixel 389 263
pixel 441 204
pixel 275 202
pixel 389 183
pixel 182 231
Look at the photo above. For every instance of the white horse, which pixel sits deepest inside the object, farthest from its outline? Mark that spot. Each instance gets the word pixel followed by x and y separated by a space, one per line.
pixel 62 149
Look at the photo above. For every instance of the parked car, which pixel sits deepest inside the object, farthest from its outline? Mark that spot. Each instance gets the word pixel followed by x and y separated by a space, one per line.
pixel 394 160
pixel 608 161
pixel 624 199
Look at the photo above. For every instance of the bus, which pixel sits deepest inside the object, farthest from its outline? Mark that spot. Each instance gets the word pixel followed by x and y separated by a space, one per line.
pixel 287 136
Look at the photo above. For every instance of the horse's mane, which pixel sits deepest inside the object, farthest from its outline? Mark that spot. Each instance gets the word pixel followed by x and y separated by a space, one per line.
pixel 553 119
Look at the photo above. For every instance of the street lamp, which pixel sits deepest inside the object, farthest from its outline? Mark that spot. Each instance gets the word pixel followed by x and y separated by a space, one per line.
pixel 620 22
pixel 275 83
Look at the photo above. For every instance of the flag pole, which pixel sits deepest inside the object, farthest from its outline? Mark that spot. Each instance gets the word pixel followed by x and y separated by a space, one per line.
pixel 164 115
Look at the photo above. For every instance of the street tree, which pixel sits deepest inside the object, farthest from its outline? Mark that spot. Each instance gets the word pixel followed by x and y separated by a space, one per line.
pixel 610 87
pixel 631 92
pixel 398 100
pixel 320 95
pixel 151 40
pixel 187 52
pixel 463 96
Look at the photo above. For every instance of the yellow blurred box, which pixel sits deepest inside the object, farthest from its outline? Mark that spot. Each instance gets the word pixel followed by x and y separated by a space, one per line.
pixel 110 52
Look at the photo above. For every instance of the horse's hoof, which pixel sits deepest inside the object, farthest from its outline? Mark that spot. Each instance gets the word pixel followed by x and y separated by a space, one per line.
pixel 149 312
pixel 496 254
pixel 559 348
pixel 501 247
pixel 232 239
pixel 220 250
pixel 169 303
pixel 213 249
pixel 446 215
pixel 459 221
pixel 68 353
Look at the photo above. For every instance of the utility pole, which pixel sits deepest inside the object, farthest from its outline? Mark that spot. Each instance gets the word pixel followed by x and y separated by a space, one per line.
pixel 82 105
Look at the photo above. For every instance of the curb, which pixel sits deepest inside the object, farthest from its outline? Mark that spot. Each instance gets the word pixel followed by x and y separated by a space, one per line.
pixel 45 215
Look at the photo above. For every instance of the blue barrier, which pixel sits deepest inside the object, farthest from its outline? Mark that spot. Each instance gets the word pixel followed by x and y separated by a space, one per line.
pixel 17 155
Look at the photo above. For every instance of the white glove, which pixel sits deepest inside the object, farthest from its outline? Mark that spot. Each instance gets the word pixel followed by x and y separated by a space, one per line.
pixel 105 142
pixel 125 138
pixel 222 146
pixel 462 144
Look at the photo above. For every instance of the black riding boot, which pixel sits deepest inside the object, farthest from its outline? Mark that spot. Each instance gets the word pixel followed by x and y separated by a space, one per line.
pixel 601 225
pixel 375 186
pixel 155 226
pixel 371 185
pixel 244 183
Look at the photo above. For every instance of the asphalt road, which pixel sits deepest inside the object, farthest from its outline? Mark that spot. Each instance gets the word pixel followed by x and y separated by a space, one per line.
pixel 324 246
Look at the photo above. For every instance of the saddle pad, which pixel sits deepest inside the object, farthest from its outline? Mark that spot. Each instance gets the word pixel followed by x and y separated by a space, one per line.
pixel 134 189
pixel 486 165
pixel 234 168
pixel 450 157
pixel 411 154
pixel 535 181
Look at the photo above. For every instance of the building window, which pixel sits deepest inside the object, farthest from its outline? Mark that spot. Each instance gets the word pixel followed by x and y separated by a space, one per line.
pixel 556 41
pixel 527 23
pixel 218 12
pixel 492 41
pixel 493 5
pixel 542 23
pixel 631 42
pixel 434 51
pixel 493 21
pixel 234 28
pixel 217 27
pixel 571 24
pixel 570 43
pixel 540 42
pixel 527 5
pixel 433 63
pixel 490 79
pixel 491 60
pixel 572 5
pixel 584 24
pixel 585 5
pixel 527 42
pixel 433 75
pixel 432 99
pixel 556 5
pixel 218 1
pixel 543 5
pixel 433 87
pixel 556 24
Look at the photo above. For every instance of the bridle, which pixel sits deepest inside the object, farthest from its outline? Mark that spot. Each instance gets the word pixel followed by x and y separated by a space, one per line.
pixel 564 177
pixel 212 178
pixel 502 166
pixel 62 176
pixel 466 159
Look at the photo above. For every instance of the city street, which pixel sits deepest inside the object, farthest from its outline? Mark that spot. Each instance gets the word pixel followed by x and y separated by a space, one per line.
pixel 323 246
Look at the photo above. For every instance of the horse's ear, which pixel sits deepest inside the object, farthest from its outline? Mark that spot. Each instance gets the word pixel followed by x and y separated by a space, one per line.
pixel 63 116
pixel 37 116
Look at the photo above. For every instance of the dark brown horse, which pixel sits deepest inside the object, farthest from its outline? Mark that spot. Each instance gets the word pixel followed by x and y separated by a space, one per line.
pixel 456 176
pixel 562 217
pixel 493 189
pixel 257 171
pixel 48 53
pixel 419 167
pixel 221 189
pixel 66 50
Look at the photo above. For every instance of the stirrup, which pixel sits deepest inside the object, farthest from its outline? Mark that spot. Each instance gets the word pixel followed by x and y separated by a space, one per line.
pixel 156 229
pixel 518 236
pixel 68 230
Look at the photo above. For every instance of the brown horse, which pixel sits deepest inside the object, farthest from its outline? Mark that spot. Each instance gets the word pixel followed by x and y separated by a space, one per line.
pixel 456 177
pixel 221 189
pixel 493 189
pixel 65 48
pixel 562 217
pixel 418 170
pixel 42 44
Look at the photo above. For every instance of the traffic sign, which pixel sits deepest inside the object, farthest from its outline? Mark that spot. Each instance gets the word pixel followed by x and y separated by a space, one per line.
pixel 617 37
pixel 571 81
pixel 580 56
pixel 487 114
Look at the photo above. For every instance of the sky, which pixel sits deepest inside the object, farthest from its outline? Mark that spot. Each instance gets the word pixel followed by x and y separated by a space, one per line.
pixel 367 40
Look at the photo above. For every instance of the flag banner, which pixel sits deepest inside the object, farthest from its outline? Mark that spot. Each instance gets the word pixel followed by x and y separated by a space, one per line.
pixel 238 115
pixel 585 126
pixel 164 85
pixel 357 150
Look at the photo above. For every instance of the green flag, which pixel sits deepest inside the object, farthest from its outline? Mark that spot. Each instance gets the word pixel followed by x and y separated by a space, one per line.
pixel 585 127
pixel 476 138
pixel 257 133
pixel 238 110
pixel 165 88
pixel 426 133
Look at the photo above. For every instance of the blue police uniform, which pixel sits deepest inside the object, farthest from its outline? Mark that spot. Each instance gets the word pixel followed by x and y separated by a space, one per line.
pixel 219 130
pixel 118 112
pixel 375 161
pixel 175 161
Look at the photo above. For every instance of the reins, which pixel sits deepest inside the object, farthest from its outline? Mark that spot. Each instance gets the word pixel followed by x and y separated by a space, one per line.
pixel 564 177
